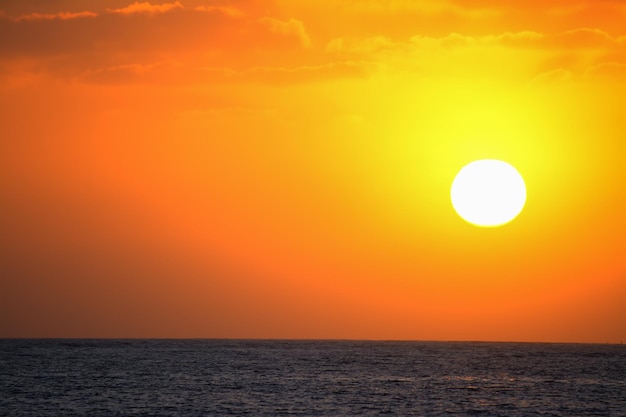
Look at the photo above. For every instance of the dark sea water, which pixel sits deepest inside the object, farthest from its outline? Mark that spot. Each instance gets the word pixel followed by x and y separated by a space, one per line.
pixel 309 378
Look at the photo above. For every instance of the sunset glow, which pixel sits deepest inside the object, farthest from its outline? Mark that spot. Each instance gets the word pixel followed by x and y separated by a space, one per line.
pixel 283 169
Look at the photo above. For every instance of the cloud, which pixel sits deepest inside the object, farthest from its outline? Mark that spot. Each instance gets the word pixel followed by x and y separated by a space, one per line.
pixel 51 16
pixel 523 38
pixel 122 74
pixel 169 72
pixel 403 18
pixel 613 71
pixel 563 10
pixel 540 57
pixel 270 43
pixel 123 36
pixel 226 10
pixel 577 39
pixel 583 38
pixel 386 7
pixel 362 47
pixel 551 77
pixel 307 73
pixel 556 7
pixel 146 7
pixel 291 27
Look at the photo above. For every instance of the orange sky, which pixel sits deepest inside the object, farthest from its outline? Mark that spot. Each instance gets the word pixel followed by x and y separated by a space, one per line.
pixel 281 169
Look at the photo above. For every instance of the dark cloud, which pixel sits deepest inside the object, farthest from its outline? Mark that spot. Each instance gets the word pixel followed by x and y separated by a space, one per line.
pixel 146 7
pixel 112 33
pixel 128 42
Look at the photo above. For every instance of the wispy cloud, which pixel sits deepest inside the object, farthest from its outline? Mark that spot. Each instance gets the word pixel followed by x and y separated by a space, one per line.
pixel 268 45
pixel 423 7
pixel 146 7
pixel 607 71
pixel 51 16
pixel 577 39
pixel 291 27
pixel 227 10
pixel 548 57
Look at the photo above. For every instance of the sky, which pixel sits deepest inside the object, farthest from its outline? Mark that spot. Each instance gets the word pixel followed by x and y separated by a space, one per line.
pixel 282 169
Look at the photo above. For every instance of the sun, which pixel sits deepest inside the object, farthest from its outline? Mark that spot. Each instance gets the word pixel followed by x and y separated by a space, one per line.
pixel 488 193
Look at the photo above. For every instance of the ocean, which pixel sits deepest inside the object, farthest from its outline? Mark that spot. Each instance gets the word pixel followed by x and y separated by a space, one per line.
pixel 70 377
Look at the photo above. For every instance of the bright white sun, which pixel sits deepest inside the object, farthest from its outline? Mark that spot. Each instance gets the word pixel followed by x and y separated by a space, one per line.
pixel 488 193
